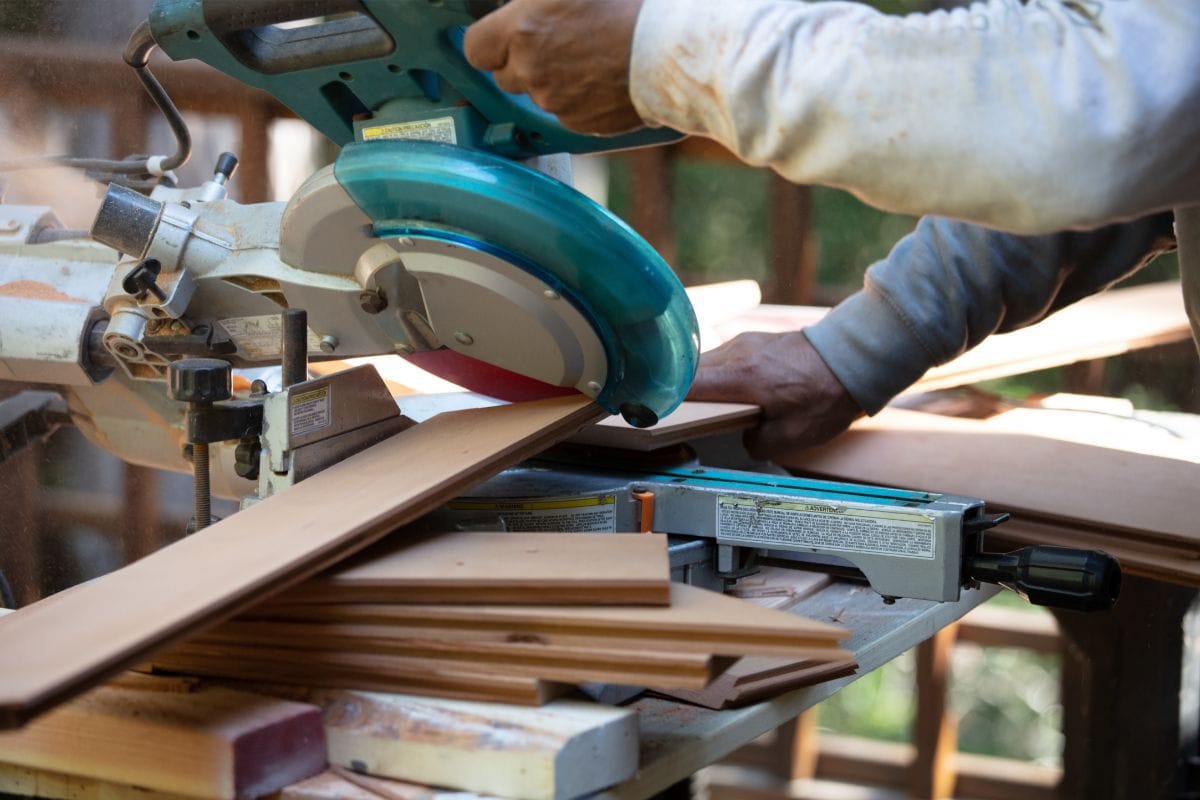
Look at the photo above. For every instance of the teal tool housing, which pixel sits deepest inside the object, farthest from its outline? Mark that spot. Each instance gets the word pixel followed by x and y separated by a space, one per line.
pixel 375 76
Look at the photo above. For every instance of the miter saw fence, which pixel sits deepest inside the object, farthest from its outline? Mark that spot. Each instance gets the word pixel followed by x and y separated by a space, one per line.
pixel 723 524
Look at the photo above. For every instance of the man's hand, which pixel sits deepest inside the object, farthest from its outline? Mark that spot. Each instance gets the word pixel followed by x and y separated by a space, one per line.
pixel 803 402
pixel 570 56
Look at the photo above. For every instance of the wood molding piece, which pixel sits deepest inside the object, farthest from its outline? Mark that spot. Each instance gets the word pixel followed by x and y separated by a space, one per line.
pixel 698 620
pixel 117 620
pixel 210 743
pixel 563 750
pixel 485 567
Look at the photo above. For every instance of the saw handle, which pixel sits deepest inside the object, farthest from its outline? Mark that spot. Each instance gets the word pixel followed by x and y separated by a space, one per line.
pixel 1059 577
pixel 247 29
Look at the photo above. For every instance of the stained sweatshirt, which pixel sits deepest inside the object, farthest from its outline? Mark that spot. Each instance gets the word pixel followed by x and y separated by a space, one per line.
pixel 1054 148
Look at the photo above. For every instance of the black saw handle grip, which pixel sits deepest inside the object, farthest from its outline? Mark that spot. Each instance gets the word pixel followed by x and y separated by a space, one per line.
pixel 1059 577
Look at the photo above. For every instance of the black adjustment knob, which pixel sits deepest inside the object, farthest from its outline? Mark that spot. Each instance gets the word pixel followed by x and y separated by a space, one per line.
pixel 226 165
pixel 1059 577
pixel 200 380
pixel 144 278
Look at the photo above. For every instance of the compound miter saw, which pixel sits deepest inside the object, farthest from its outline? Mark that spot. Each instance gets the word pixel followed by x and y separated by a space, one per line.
pixel 442 234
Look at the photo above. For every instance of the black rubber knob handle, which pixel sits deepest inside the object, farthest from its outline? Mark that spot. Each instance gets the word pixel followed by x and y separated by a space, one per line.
pixel 1059 577
pixel 200 380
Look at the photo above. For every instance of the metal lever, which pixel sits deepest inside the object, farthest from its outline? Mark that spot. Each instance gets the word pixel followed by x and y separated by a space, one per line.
pixel 1060 577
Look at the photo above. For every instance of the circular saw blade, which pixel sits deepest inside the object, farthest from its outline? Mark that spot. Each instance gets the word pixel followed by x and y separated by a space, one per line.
pixel 504 225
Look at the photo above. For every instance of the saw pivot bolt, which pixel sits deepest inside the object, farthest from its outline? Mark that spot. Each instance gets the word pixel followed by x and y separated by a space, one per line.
pixel 200 382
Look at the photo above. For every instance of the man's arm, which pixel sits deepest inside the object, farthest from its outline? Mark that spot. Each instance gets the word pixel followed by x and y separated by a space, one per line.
pixel 1032 117
pixel 940 291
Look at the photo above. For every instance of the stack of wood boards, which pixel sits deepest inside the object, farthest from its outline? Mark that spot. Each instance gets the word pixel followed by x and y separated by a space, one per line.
pixel 511 617
pixel 1070 478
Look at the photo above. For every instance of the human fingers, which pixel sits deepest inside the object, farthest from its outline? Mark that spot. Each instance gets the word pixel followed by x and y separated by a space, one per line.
pixel 486 42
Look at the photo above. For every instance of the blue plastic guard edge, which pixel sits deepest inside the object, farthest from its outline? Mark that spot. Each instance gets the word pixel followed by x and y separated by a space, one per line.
pixel 614 277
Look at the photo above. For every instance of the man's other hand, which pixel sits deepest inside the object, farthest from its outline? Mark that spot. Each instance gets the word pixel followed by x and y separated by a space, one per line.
pixel 803 402
pixel 570 56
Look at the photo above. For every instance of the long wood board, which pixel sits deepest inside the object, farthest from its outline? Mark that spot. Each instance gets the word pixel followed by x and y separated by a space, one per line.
pixel 486 567
pixel 1120 490
pixel 382 661
pixel 697 621
pixel 590 661
pixel 60 646
pixel 352 674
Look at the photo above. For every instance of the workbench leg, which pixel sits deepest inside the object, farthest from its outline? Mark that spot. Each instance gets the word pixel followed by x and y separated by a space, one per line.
pixel 1131 694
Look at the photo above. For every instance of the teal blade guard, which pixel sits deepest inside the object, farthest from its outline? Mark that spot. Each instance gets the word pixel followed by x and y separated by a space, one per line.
pixel 633 300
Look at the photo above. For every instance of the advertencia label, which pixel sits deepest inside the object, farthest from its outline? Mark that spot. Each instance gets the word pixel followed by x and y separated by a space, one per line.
pixel 596 514
pixel 825 526
pixel 438 129
pixel 310 411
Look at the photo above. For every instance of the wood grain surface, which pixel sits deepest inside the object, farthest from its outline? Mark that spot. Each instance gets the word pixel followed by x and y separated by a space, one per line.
pixel 60 646
pixel 486 567
pixel 209 743
pixel 698 620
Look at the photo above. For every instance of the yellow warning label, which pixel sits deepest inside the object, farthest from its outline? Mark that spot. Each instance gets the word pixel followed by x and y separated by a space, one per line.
pixel 438 129
pixel 310 411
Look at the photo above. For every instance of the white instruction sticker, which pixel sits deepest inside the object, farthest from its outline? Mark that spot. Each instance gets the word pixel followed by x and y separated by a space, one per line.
pixel 596 514
pixel 310 411
pixel 438 129
pixel 260 337
pixel 825 526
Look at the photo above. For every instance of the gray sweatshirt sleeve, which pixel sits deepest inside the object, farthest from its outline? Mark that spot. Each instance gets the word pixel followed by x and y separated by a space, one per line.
pixel 1033 117
pixel 948 285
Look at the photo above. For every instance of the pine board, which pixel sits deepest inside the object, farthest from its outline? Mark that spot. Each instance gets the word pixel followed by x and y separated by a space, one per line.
pixel 57 648
pixel 566 749
pixel 210 743
pixel 482 567
pixel 697 620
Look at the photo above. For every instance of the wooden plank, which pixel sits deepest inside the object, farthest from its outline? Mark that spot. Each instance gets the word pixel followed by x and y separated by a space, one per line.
pixel 697 620
pixel 566 749
pixel 692 420
pixel 350 672
pixel 1100 326
pixel 756 678
pixel 1117 489
pixel 117 620
pixel 570 664
pixel 367 659
pixel 486 567
pixel 211 743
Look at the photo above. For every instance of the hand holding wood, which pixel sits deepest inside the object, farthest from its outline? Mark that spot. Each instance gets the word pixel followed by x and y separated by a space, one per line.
pixel 803 402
